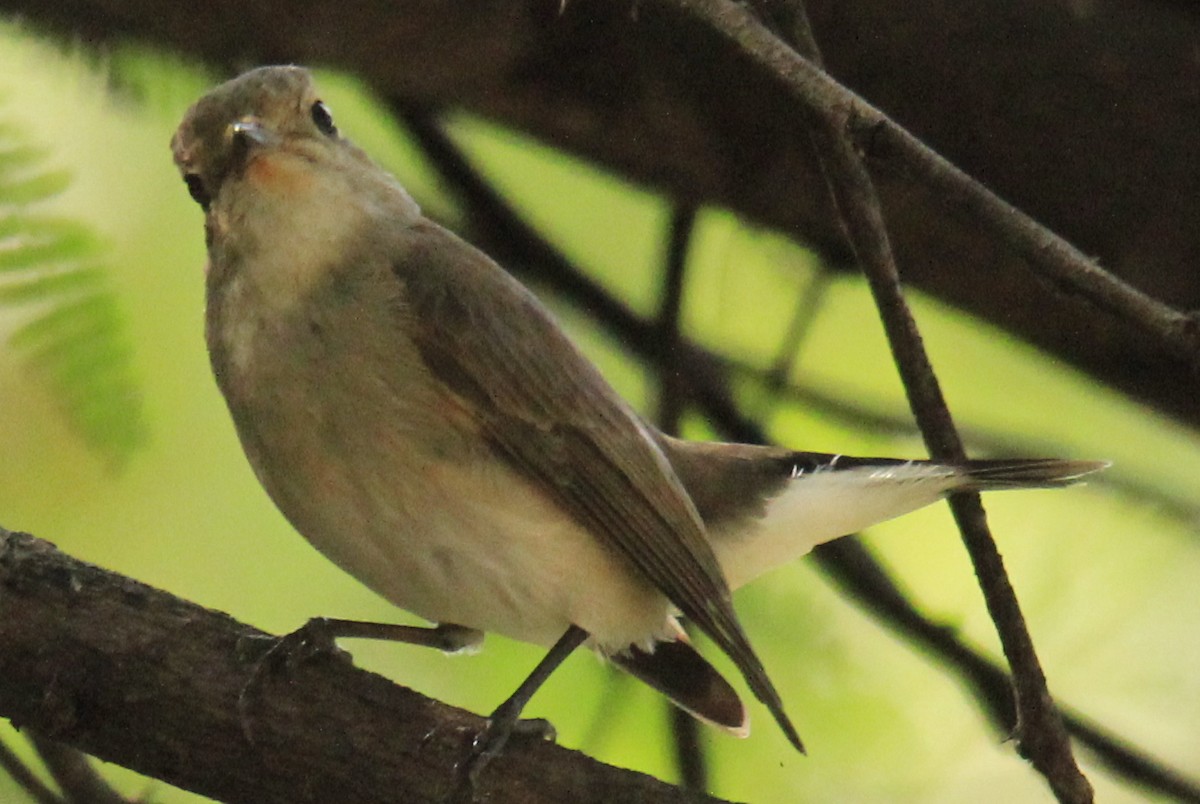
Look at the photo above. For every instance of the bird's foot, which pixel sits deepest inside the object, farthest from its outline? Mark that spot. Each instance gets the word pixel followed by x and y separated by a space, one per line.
pixel 490 742
pixel 283 655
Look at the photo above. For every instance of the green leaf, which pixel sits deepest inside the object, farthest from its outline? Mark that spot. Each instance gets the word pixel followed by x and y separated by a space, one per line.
pixel 72 333
pixel 16 158
pixel 34 188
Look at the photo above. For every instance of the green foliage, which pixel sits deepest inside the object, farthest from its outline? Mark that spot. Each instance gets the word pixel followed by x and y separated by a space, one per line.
pixel 69 327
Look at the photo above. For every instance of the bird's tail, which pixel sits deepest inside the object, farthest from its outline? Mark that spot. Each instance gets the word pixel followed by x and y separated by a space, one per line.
pixel 1024 473
pixel 793 501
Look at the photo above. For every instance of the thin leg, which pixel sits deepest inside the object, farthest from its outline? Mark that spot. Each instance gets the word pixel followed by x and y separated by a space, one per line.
pixel 324 631
pixel 318 637
pixel 505 720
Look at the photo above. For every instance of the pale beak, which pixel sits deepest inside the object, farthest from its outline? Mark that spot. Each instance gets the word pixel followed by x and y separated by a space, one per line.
pixel 250 130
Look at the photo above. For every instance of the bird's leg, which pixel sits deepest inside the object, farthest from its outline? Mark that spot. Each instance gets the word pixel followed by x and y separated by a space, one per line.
pixel 321 633
pixel 318 637
pixel 505 721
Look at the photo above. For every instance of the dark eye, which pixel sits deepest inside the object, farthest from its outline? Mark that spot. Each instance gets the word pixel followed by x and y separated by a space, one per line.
pixel 197 190
pixel 323 119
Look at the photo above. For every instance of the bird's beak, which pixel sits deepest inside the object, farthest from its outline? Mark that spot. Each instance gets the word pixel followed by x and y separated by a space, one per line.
pixel 250 130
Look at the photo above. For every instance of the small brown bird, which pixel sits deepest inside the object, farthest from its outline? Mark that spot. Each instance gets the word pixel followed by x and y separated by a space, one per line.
pixel 421 419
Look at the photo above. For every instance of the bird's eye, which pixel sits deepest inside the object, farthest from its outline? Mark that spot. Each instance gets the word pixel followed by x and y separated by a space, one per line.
pixel 197 190
pixel 323 119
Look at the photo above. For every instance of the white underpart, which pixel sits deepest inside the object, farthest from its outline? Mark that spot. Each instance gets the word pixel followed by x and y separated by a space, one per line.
pixel 816 507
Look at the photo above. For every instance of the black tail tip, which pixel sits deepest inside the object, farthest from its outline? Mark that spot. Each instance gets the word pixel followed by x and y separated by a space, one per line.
pixel 1031 473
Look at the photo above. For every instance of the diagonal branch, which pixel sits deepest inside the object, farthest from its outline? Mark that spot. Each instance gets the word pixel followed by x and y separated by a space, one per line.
pixel 26 779
pixel 136 676
pixel 1041 736
pixel 859 575
pixel 672 388
pixel 71 768
pixel 889 146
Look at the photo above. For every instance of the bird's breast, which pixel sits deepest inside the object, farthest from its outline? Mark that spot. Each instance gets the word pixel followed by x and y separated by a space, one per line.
pixel 385 471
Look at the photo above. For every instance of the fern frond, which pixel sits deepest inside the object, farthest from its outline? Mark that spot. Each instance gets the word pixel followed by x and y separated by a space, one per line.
pixel 38 243
pixel 71 334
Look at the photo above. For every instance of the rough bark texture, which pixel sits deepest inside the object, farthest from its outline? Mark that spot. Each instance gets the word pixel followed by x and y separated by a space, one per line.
pixel 1081 112
pixel 136 676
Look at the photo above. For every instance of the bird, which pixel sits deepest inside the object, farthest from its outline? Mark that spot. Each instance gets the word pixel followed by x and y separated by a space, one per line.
pixel 421 418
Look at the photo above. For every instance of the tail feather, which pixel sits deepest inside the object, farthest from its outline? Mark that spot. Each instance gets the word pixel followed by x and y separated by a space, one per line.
pixel 675 669
pixel 994 475
pixel 765 506
pixel 827 496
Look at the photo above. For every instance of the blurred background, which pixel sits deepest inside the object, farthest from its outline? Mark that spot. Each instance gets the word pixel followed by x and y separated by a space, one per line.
pixel 117 447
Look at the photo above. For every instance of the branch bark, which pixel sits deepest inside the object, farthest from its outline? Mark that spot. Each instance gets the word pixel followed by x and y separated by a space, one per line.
pixel 138 677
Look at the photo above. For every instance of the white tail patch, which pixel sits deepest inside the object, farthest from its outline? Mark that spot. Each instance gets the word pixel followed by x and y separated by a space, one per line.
pixel 821 505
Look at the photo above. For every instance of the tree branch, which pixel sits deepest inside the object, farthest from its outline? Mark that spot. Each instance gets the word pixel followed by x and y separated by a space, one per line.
pixel 71 769
pixel 1040 733
pixel 138 677
pixel 893 148
pixel 690 757
pixel 849 565
pixel 26 779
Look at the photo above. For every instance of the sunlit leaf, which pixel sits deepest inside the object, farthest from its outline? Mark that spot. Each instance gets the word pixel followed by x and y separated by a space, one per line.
pixel 71 330
pixel 45 283
pixel 33 189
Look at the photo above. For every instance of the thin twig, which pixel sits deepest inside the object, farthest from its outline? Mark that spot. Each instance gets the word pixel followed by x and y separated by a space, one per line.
pixel 890 147
pixel 851 567
pixel 521 248
pixel 76 776
pixel 808 304
pixel 1041 737
pixel 23 776
pixel 672 394
pixel 893 149
pixel 672 400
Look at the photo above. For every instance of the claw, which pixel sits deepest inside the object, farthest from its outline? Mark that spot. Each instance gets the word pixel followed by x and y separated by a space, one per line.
pixel 505 721
pixel 490 742
pixel 287 652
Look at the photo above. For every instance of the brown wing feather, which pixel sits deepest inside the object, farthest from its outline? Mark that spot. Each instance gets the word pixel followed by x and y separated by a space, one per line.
pixel 558 421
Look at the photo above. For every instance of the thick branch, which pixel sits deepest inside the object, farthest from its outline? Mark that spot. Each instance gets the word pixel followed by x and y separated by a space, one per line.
pixel 136 676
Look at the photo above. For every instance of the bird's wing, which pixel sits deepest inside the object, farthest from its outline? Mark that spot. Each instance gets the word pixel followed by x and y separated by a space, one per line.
pixel 546 409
